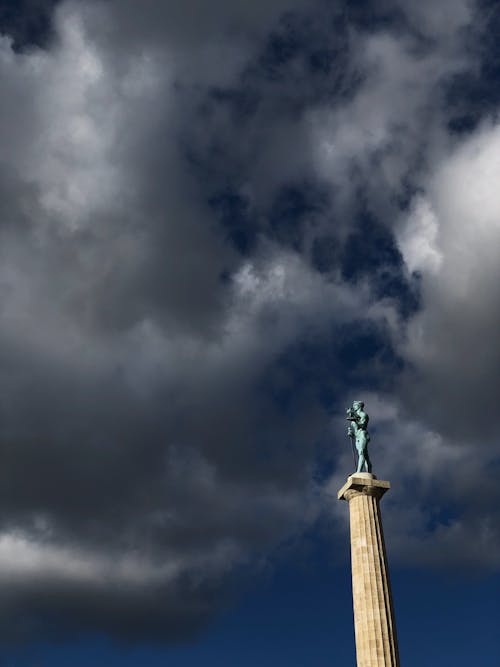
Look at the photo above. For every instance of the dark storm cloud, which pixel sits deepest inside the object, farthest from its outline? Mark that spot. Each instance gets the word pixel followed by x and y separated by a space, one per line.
pixel 136 454
pixel 210 216
pixel 28 22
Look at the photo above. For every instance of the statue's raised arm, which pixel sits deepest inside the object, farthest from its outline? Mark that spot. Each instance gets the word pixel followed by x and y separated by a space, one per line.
pixel 358 432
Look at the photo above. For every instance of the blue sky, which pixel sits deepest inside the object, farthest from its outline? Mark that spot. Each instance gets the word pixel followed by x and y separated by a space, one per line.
pixel 220 223
pixel 305 617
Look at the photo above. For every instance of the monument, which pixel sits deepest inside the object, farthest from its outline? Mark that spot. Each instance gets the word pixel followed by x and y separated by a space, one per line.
pixel 374 625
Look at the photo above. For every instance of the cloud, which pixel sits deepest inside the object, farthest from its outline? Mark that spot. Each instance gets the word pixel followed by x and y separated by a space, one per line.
pixel 187 190
pixel 380 137
pixel 138 454
pixel 417 238
pixel 449 341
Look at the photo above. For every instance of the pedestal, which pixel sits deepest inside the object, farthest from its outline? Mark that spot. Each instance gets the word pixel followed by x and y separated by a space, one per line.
pixel 375 630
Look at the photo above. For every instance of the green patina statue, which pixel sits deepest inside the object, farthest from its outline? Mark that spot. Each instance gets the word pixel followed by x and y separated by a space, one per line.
pixel 358 432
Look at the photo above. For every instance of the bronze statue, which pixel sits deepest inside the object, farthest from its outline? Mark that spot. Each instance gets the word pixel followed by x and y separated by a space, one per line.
pixel 358 432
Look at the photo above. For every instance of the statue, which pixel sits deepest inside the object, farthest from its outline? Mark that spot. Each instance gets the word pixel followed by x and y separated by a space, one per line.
pixel 357 431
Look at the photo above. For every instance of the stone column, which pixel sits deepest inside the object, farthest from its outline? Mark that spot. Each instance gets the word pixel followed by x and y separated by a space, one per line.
pixel 375 629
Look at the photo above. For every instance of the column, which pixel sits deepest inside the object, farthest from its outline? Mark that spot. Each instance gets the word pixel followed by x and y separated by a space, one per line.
pixel 375 630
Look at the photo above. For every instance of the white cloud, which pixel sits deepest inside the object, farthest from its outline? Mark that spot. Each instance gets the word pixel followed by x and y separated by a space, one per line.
pixel 22 559
pixel 453 239
pixel 417 238
pixel 375 135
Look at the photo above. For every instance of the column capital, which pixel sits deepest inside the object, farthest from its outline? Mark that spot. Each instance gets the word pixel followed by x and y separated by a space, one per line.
pixel 363 484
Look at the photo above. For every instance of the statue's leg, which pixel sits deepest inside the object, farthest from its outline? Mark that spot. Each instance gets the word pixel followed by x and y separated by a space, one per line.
pixel 368 461
pixel 361 461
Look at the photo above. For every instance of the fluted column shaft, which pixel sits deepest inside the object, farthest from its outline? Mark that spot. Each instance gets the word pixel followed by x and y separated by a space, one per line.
pixel 375 630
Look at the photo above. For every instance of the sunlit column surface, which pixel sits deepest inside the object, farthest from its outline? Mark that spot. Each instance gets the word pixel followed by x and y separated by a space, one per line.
pixel 375 630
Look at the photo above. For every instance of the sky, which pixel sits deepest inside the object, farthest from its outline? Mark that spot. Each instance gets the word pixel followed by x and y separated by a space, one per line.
pixel 220 223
